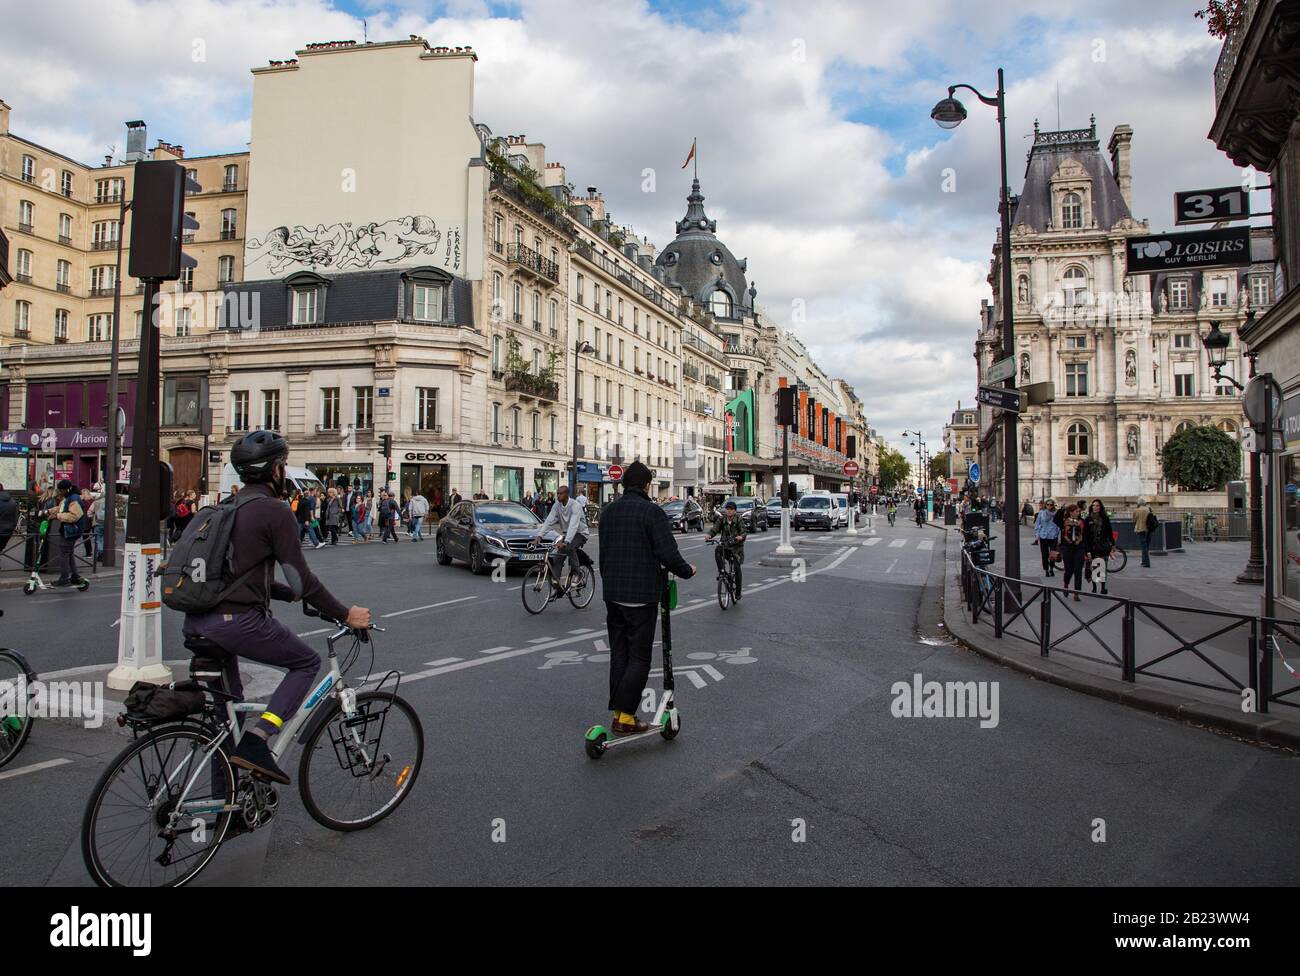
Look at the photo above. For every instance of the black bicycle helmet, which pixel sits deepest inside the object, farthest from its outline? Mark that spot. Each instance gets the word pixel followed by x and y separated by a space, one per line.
pixel 255 455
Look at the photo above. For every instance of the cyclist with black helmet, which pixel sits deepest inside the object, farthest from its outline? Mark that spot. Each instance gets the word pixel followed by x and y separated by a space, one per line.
pixel 266 534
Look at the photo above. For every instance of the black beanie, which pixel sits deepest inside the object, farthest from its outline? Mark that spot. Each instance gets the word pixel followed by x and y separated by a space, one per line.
pixel 637 476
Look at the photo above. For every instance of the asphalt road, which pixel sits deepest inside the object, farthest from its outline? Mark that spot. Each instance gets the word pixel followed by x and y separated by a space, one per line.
pixel 790 767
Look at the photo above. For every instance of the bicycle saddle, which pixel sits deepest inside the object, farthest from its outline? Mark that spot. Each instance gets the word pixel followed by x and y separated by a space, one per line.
pixel 201 646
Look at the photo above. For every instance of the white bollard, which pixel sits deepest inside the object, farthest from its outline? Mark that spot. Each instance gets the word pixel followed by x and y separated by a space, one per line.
pixel 139 647
pixel 784 548
pixel 853 521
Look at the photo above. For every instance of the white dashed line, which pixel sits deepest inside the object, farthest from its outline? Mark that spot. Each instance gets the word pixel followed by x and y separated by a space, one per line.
pixel 35 767
pixel 431 606
pixel 441 661
pixel 495 650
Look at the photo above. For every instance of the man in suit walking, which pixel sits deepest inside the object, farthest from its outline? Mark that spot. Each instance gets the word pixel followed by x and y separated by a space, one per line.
pixel 636 548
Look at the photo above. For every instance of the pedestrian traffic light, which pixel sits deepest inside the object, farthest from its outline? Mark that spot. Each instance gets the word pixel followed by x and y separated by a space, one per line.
pixel 159 221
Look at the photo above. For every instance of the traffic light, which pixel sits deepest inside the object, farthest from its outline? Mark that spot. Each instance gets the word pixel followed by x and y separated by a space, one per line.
pixel 851 445
pixel 785 399
pixel 159 221
pixel 386 445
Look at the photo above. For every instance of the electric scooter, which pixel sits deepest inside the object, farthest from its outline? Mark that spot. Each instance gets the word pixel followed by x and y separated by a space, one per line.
pixel 667 722
pixel 34 582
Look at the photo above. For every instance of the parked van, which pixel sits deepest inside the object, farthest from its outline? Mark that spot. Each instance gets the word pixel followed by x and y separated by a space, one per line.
pixel 842 506
pixel 296 479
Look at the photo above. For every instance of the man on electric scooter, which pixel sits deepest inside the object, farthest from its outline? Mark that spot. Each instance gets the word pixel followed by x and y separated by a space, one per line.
pixel 732 543
pixel 636 546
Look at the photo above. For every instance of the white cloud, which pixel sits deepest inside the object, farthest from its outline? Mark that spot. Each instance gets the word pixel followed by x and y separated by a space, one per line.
pixel 816 154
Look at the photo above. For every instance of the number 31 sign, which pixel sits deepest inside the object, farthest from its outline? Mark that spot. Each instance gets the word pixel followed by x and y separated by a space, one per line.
pixel 1211 206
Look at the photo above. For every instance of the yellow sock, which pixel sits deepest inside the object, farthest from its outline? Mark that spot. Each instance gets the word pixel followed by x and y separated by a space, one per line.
pixel 625 718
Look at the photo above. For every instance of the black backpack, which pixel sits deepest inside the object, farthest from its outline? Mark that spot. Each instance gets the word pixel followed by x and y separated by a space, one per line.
pixel 193 574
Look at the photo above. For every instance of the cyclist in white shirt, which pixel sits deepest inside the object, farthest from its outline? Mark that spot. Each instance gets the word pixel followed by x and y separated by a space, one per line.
pixel 568 516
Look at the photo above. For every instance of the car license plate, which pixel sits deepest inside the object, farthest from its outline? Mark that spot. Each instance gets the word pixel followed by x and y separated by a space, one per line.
pixel 532 555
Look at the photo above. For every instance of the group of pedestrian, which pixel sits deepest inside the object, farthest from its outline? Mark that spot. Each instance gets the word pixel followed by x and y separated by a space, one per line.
pixel 539 503
pixel 180 513
pixel 324 515
pixel 1080 537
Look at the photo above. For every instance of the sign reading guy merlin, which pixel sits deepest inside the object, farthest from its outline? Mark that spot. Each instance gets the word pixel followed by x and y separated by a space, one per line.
pixel 1225 248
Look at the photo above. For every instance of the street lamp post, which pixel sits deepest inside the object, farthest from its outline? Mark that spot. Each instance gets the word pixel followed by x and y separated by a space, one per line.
pixel 950 113
pixel 581 347
pixel 920 461
pixel 1216 347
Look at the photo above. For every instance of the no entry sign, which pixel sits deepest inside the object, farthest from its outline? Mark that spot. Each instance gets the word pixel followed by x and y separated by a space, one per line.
pixel 616 472
pixel 851 468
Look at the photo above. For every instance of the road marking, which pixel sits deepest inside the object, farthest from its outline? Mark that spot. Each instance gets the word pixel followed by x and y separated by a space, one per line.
pixel 872 542
pixel 891 566
pixel 314 633
pixel 585 630
pixel 35 767
pixel 898 544
pixel 431 606
pixel 925 544
pixel 540 640
pixel 441 661
pixel 503 653
pixel 495 650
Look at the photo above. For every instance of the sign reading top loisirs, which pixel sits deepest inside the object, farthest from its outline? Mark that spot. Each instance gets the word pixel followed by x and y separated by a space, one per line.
pixel 1194 249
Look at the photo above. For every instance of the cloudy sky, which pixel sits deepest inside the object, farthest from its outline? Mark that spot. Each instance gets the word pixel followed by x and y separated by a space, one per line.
pixel 817 155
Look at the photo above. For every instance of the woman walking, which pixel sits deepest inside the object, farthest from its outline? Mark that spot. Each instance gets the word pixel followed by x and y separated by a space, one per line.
pixel 1047 534
pixel 1099 540
pixel 333 515
pixel 1073 549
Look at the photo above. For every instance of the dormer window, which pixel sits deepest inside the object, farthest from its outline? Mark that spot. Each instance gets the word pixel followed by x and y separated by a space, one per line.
pixel 427 293
pixel 1071 211
pixel 306 306
pixel 720 304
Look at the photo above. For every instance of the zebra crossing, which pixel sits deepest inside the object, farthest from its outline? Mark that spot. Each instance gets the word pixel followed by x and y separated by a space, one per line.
pixel 837 541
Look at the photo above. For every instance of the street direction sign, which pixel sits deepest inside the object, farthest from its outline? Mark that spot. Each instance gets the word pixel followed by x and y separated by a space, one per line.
pixel 998 397
pixel 616 472
pixel 851 468
pixel 1226 248
pixel 1211 206
pixel 1001 370
pixel 974 473
pixel 1254 402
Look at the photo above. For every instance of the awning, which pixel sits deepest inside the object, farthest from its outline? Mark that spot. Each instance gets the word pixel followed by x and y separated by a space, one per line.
pixel 741 461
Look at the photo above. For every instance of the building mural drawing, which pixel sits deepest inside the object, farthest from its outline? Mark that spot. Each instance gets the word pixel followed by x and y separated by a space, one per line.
pixel 346 246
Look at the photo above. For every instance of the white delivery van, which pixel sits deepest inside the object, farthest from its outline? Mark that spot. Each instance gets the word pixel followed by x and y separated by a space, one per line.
pixel 298 479
pixel 842 506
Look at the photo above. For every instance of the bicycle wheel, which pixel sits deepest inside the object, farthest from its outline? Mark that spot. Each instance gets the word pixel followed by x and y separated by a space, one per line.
pixel 355 772
pixel 536 590
pixel 1117 560
pixel 131 806
pixel 581 588
pixel 724 591
pixel 15 692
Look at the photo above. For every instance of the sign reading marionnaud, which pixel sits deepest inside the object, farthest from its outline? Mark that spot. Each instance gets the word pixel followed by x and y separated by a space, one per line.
pixel 998 397
pixel 1226 248
pixel 1001 370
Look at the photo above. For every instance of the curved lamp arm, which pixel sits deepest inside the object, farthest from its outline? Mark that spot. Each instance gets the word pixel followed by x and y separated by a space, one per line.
pixel 975 91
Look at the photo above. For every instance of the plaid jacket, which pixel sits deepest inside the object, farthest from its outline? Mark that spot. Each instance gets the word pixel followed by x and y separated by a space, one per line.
pixel 636 544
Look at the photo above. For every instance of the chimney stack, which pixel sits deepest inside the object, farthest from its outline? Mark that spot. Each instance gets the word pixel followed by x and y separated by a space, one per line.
pixel 1120 148
pixel 137 136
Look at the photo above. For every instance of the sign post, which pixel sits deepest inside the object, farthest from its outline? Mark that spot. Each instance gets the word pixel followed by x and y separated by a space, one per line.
pixel 1226 248
pixel 1002 370
pixel 1000 397
pixel 1211 206
pixel 616 472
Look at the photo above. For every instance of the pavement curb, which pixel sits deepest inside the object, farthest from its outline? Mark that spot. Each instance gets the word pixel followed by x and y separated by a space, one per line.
pixel 1263 729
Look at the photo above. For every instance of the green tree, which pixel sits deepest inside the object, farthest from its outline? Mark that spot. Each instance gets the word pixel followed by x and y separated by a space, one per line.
pixel 1088 471
pixel 941 467
pixel 894 469
pixel 1201 458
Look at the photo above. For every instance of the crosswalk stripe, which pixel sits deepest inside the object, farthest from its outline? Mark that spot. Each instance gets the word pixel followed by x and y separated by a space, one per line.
pixel 925 544
pixel 872 541
pixel 898 544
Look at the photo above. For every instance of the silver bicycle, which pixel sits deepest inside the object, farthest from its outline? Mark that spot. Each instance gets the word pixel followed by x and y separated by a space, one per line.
pixel 163 807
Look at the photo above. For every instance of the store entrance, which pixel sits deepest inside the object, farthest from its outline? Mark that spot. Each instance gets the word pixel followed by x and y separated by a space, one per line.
pixel 430 480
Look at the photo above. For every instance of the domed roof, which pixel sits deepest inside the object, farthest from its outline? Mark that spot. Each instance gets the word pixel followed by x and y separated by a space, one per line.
pixel 701 264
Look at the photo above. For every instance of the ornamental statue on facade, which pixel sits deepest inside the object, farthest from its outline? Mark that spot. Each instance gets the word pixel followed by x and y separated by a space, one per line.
pixel 1131 441
pixel 1130 368
pixel 1026 441
pixel 1024 367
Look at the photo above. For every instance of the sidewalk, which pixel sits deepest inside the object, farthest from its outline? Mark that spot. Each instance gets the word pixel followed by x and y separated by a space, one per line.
pixel 1198 683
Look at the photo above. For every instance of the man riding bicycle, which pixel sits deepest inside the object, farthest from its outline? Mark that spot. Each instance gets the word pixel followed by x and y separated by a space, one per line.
pixel 892 509
pixel 731 542
pixel 568 516
pixel 266 533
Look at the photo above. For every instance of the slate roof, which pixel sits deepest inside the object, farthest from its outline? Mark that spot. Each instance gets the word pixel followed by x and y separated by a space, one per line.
pixel 1049 151
pixel 697 261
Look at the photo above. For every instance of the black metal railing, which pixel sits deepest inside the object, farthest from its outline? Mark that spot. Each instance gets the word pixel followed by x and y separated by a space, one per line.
pixel 530 260
pixel 1216 650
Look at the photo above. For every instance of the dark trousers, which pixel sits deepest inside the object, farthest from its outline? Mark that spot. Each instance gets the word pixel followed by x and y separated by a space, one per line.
pixel 258 636
pixel 65 557
pixel 1045 550
pixel 1145 538
pixel 719 555
pixel 1072 557
pixel 387 529
pixel 631 643
pixel 333 531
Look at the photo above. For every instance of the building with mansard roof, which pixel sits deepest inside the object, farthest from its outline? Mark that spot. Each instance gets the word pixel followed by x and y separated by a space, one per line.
pixel 1124 353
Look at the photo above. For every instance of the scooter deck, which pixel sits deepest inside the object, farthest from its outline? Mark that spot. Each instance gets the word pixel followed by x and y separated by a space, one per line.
pixel 614 739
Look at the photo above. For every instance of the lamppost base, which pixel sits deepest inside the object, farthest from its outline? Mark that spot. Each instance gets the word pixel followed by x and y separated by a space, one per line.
pixel 1252 575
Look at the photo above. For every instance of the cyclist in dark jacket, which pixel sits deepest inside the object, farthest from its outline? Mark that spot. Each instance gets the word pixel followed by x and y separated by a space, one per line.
pixel 265 535
pixel 731 542
pixel 636 547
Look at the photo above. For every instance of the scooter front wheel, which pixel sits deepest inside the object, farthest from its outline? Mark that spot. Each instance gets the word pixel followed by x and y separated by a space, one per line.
pixel 595 743
pixel 672 725
pixel 82 585
pixel 29 588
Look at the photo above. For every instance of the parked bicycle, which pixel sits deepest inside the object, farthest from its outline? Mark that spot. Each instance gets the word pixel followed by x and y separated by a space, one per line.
pixel 542 585
pixel 163 807
pixel 728 588
pixel 16 690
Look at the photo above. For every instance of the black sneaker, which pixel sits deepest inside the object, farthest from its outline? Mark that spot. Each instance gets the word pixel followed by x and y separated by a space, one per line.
pixel 254 755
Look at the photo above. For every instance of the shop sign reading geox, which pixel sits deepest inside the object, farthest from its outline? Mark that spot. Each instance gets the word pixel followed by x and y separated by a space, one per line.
pixel 1226 248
